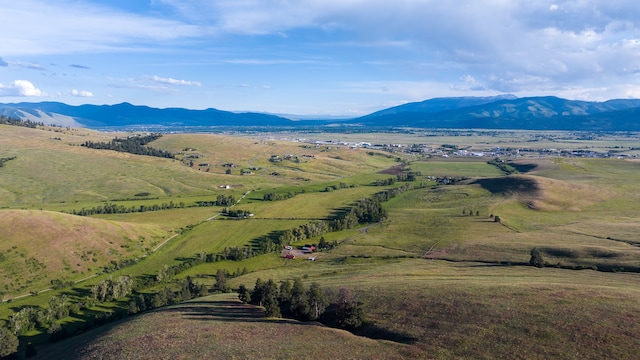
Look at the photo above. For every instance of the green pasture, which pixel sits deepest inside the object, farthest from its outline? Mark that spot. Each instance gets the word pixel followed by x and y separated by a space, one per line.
pixel 171 220
pixel 310 205
pixel 455 168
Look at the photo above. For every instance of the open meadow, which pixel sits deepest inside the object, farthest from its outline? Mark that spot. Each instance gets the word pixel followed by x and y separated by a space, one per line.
pixel 446 272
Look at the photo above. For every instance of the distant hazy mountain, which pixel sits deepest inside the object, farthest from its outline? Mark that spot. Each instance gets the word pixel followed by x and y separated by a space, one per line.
pixel 533 113
pixel 439 104
pixel 497 112
pixel 125 114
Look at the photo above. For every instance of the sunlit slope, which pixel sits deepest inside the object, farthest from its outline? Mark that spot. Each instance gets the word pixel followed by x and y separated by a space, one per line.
pixel 219 327
pixel 296 162
pixel 39 246
pixel 51 168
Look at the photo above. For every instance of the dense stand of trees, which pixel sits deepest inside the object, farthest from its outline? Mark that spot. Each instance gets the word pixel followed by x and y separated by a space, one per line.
pixel 48 319
pixel 133 145
pixel 19 122
pixel 273 196
pixel 221 200
pixel 294 300
pixel 408 176
pixel 110 289
pixel 403 177
pixel 111 208
pixel 237 213
pixel 502 166
pixel 8 342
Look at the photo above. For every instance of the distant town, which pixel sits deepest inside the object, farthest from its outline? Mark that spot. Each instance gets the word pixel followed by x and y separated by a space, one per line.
pixel 455 150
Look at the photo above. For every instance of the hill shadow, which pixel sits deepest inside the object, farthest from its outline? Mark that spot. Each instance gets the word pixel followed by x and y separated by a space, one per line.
pixel 523 168
pixel 231 311
pixel 509 185
pixel 375 332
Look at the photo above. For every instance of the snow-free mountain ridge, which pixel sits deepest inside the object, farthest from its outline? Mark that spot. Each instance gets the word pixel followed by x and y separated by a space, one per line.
pixel 496 112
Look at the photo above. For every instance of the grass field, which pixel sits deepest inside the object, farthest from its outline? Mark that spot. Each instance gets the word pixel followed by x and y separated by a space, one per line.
pixel 440 277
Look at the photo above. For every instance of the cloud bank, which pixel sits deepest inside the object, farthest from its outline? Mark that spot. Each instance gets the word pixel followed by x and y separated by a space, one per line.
pixel 20 88
pixel 81 93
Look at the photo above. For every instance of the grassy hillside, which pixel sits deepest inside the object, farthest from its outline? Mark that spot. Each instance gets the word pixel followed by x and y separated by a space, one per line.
pixel 416 309
pixel 51 170
pixel 218 327
pixel 39 246
pixel 440 276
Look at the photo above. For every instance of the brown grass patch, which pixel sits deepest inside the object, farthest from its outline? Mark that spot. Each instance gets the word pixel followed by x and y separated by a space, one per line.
pixel 394 170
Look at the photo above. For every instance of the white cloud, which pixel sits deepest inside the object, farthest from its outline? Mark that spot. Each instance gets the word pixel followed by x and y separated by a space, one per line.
pixel 27 65
pixel 172 81
pixel 20 88
pixel 35 27
pixel 419 48
pixel 142 83
pixel 537 39
pixel 81 93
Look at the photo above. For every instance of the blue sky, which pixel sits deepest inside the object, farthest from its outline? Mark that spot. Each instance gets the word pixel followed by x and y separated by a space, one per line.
pixel 319 57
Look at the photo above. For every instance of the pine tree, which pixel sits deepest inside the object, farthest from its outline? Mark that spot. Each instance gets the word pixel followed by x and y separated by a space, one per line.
pixel 244 294
pixel 536 258
pixel 317 301
pixel 299 303
pixel 350 312
pixel 270 301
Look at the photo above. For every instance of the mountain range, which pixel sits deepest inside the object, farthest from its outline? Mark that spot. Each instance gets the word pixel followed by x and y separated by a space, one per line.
pixel 495 112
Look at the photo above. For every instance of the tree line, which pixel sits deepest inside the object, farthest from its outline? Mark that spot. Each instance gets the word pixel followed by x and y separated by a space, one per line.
pixel 294 300
pixel 221 200
pixel 124 287
pixel 237 213
pixel 4 160
pixel 133 144
pixel 19 122
pixel 408 176
pixel 502 166
pixel 273 196
pixel 111 208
